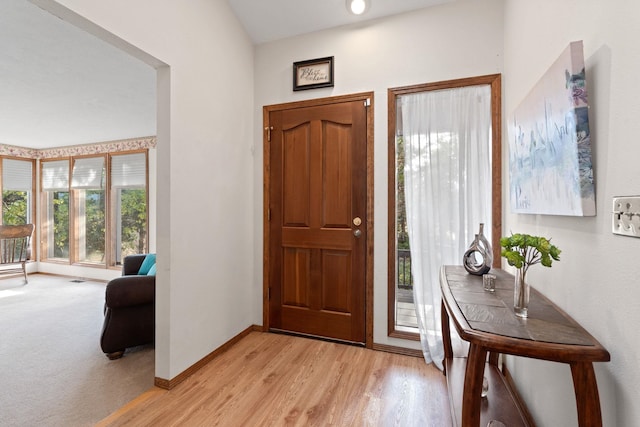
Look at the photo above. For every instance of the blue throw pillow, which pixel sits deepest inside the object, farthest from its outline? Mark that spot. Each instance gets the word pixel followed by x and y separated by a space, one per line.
pixel 148 262
pixel 152 271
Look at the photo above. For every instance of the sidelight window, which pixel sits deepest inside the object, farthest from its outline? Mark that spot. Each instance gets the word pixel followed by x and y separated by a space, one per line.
pixel 444 138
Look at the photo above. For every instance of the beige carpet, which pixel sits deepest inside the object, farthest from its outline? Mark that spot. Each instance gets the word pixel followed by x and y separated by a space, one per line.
pixel 52 371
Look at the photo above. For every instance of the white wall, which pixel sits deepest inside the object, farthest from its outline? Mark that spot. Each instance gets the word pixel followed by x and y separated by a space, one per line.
pixel 596 281
pixel 204 231
pixel 457 40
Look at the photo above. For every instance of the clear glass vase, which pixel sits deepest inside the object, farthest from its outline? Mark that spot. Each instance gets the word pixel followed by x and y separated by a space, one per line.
pixel 521 294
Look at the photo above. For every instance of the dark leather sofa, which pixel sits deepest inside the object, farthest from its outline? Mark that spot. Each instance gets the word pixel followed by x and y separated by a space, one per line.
pixel 129 311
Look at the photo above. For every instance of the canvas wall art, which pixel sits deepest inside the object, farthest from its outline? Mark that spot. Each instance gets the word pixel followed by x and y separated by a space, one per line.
pixel 550 169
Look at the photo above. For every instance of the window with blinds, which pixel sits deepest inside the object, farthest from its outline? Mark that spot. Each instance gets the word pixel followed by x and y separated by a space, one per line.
pixel 88 174
pixel 17 175
pixel 17 189
pixel 55 209
pixel 95 208
pixel 55 175
pixel 129 170
pixel 128 204
pixel 89 207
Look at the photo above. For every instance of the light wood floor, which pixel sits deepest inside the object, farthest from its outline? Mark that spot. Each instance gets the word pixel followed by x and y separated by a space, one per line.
pixel 278 380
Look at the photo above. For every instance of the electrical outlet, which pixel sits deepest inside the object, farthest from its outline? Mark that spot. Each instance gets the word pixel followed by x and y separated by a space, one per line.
pixel 625 217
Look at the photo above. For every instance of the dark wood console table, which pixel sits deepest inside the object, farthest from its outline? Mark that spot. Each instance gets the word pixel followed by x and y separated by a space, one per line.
pixel 487 321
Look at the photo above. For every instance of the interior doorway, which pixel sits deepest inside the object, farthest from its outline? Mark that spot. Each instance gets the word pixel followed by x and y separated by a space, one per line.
pixel 159 159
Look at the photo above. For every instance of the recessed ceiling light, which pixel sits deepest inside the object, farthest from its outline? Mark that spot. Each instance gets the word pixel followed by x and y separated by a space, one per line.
pixel 358 7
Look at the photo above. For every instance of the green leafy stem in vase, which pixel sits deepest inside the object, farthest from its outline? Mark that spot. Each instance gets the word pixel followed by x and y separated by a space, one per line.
pixel 522 251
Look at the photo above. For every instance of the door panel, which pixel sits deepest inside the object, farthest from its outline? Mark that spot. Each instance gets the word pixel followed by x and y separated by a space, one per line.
pixel 317 186
pixel 296 185
pixel 335 285
pixel 337 177
pixel 295 283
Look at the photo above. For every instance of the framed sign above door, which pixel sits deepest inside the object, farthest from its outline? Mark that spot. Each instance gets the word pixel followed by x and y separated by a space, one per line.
pixel 313 73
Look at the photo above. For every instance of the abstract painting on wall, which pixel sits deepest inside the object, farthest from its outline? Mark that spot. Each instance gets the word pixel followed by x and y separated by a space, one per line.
pixel 550 169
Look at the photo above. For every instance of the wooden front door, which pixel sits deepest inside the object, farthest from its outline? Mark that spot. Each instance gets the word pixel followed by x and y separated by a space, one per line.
pixel 318 219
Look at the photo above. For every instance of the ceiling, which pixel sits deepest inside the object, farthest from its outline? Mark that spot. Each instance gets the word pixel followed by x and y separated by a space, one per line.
pixel 268 20
pixel 62 86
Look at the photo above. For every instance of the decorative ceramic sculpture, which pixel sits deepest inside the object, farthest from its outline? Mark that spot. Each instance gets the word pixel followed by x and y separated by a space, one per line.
pixel 478 258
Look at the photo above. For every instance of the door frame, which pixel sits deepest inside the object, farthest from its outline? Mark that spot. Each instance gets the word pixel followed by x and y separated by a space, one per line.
pixel 365 97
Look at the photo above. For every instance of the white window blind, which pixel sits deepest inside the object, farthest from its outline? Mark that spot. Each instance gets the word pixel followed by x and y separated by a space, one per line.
pixel 17 175
pixel 128 170
pixel 55 176
pixel 88 173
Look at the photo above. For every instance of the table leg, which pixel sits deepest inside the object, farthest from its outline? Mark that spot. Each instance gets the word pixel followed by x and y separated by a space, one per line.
pixel 472 393
pixel 587 398
pixel 446 334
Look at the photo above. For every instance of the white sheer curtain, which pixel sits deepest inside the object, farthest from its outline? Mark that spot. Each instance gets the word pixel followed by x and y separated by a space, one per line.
pixel 447 139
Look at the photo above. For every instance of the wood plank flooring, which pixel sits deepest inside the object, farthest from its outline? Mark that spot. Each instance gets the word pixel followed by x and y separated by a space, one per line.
pixel 278 380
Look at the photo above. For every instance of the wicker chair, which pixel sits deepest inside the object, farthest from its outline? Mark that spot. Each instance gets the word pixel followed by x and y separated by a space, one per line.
pixel 15 249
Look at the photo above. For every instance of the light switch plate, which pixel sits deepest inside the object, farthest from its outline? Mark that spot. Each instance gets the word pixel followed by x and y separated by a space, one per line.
pixel 625 216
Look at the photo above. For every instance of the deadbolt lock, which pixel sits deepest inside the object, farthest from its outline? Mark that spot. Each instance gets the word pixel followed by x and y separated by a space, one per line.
pixel 357 221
